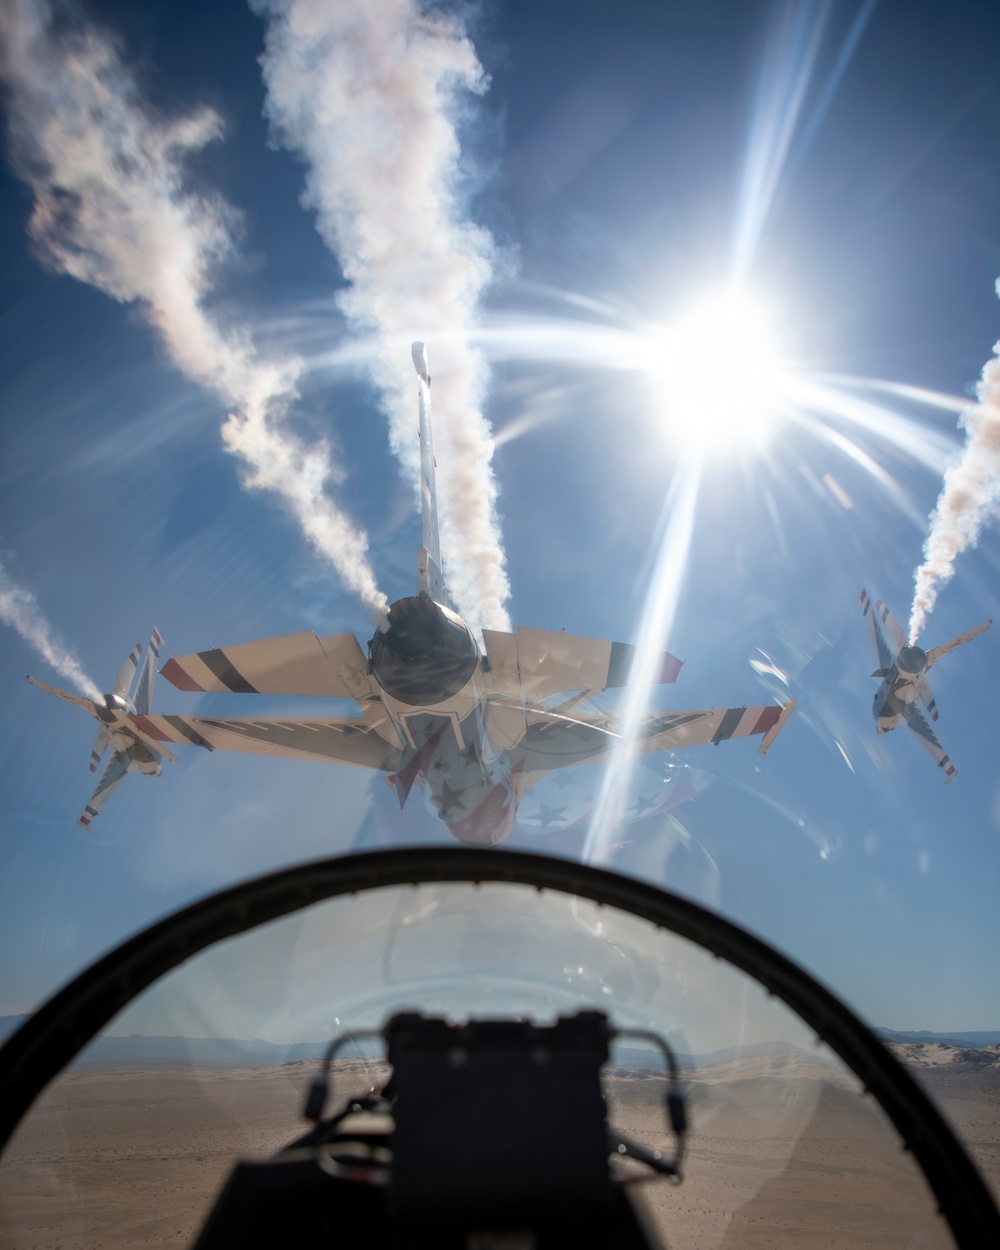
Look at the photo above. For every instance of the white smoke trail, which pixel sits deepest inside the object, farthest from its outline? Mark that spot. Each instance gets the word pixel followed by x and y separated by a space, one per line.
pixel 970 494
pixel 367 94
pixel 112 209
pixel 19 609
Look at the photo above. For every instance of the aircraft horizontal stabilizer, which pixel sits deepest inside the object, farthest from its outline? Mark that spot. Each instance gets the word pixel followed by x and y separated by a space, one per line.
pixel 884 654
pixel 936 653
pixel 300 664
pixel 88 705
pixel 541 663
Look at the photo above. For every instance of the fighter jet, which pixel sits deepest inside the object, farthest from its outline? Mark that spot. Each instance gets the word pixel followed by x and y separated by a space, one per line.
pixel 477 725
pixel 118 726
pixel 903 668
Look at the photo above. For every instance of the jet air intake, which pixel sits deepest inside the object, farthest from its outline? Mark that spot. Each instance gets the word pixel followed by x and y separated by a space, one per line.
pixel 912 661
pixel 424 653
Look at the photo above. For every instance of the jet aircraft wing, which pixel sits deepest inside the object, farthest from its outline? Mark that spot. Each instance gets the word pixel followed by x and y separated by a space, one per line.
pixel 539 663
pixel 109 781
pixel 554 740
pixel 883 652
pixel 927 698
pixel 917 721
pixel 303 664
pixel 347 740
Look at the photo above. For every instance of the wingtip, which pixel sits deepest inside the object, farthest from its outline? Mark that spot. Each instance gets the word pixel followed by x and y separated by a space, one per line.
pixel 787 708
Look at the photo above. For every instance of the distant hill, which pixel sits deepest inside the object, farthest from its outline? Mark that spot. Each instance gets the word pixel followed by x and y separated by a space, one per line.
pixel 973 1040
pixel 921 1049
pixel 944 1056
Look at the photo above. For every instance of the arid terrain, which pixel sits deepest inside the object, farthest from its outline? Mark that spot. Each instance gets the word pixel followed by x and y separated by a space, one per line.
pixel 783 1151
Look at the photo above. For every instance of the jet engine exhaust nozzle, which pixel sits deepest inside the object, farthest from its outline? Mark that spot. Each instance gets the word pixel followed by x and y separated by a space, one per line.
pixel 911 660
pixel 424 654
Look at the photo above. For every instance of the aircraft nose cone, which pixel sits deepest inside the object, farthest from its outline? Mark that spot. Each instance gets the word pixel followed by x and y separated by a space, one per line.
pixel 424 654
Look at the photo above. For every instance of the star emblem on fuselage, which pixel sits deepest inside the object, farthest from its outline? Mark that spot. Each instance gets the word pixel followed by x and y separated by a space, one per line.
pixel 548 815
pixel 448 797
pixel 642 804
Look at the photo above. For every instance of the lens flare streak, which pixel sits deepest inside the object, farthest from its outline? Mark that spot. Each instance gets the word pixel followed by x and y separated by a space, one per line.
pixel 654 635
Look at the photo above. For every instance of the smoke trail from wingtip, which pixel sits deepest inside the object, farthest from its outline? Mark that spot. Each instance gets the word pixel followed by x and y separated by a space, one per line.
pixel 367 95
pixel 970 494
pixel 19 609
pixel 112 209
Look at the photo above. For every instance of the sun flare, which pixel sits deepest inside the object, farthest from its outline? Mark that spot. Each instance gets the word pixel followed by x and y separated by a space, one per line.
pixel 718 374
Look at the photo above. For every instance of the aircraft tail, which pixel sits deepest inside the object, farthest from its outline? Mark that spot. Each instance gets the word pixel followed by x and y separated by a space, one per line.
pixel 937 653
pixel 144 690
pixel 430 580
pixel 123 682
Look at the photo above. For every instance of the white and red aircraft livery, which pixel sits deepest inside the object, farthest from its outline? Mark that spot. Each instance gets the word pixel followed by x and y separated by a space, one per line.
pixel 903 669
pixel 476 725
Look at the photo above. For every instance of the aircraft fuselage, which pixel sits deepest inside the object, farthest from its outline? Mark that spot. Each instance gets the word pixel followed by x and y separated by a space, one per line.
pixel 900 686
pixel 122 738
pixel 429 670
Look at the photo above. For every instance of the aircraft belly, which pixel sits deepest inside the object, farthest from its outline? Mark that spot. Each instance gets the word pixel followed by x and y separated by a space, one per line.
pixel 458 710
pixel 488 816
pixel 506 724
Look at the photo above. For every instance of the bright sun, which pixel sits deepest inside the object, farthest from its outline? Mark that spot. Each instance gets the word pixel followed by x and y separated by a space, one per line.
pixel 718 374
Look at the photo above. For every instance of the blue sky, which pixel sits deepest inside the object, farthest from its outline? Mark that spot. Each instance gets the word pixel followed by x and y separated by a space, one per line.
pixel 607 160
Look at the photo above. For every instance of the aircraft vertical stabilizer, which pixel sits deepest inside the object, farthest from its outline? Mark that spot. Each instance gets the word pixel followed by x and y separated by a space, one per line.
pixel 143 699
pixel 430 580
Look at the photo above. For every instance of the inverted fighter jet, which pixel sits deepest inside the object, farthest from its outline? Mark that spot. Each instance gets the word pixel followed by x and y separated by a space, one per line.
pixel 118 726
pixel 475 725
pixel 903 669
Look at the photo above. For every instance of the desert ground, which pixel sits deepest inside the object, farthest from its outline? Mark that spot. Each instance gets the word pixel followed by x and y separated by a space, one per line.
pixel 783 1151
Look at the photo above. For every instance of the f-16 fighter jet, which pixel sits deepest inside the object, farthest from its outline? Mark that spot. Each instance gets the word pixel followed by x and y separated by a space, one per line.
pixel 133 749
pixel 903 669
pixel 476 725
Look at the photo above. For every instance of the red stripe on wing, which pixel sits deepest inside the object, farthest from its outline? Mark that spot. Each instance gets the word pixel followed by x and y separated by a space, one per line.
pixel 767 720
pixel 180 677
